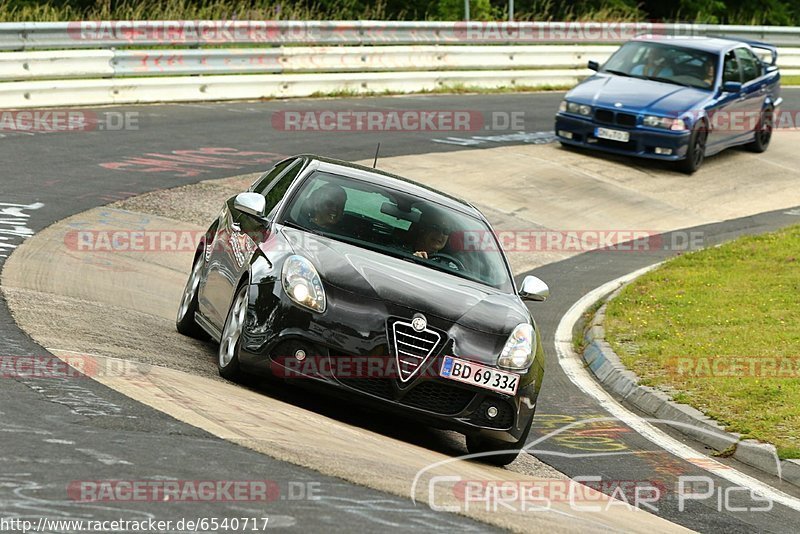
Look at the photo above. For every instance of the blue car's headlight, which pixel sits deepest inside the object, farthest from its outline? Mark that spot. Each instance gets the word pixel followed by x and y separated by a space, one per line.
pixel 667 123
pixel 302 283
pixel 518 351
pixel 573 107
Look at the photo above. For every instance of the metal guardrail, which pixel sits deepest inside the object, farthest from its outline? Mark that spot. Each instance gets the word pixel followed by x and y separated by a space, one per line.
pixel 119 63
pixel 116 34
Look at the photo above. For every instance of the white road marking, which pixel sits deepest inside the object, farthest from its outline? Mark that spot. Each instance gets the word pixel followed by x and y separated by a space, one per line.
pixel 574 368
pixel 104 458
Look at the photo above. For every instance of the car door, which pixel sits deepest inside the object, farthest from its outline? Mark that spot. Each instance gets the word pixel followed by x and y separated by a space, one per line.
pixel 223 262
pixel 728 108
pixel 754 89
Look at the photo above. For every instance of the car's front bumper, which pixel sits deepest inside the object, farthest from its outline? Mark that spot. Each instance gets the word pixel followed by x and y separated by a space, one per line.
pixel 351 329
pixel 642 143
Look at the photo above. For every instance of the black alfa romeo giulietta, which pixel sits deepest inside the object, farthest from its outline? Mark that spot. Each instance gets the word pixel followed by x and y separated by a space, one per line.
pixel 326 272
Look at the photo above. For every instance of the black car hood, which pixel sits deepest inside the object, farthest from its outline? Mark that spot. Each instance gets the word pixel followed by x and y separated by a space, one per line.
pixel 640 95
pixel 407 284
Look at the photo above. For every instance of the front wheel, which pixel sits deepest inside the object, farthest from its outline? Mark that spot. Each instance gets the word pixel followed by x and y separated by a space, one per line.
pixel 763 133
pixel 504 452
pixel 228 361
pixel 185 322
pixel 696 152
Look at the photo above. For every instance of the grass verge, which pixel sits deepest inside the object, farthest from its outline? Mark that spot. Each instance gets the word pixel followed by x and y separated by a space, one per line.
pixel 720 326
pixel 450 89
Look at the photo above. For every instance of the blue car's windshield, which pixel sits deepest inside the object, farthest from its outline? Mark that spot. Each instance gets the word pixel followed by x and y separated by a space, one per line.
pixel 398 224
pixel 664 63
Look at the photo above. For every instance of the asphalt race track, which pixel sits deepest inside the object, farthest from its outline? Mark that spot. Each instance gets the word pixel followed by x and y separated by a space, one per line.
pixel 54 431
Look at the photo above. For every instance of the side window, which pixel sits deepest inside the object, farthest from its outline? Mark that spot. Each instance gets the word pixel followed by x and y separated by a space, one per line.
pixel 278 188
pixel 262 183
pixel 751 66
pixel 730 72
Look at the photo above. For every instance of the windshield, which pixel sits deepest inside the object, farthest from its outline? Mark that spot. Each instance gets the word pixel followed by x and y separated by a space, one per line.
pixel 664 63
pixel 398 224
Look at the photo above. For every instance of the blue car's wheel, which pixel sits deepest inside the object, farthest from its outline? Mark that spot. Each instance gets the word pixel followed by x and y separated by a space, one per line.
pixel 763 133
pixel 696 152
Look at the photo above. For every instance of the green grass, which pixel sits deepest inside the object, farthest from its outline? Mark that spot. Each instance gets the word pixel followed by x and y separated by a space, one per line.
pixel 449 89
pixel 790 80
pixel 734 304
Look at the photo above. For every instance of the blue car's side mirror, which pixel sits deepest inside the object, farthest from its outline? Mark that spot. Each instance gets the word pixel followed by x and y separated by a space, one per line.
pixel 593 65
pixel 731 87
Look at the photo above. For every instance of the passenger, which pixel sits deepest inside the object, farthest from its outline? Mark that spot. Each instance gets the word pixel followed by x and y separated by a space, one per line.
pixel 429 235
pixel 708 69
pixel 326 206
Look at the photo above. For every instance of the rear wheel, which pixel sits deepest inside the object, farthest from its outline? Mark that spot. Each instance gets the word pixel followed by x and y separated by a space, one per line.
pixel 763 132
pixel 505 452
pixel 228 360
pixel 185 322
pixel 696 153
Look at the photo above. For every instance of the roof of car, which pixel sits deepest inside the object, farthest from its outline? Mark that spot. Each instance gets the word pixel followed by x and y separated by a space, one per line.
pixel 393 181
pixel 707 44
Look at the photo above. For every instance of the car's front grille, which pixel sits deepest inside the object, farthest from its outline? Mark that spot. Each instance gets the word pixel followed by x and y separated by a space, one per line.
pixel 380 387
pixel 438 397
pixel 412 348
pixel 604 115
pixel 608 116
pixel 626 119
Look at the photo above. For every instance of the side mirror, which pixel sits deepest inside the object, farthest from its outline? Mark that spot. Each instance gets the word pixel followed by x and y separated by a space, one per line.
pixel 731 87
pixel 534 289
pixel 771 68
pixel 593 65
pixel 251 204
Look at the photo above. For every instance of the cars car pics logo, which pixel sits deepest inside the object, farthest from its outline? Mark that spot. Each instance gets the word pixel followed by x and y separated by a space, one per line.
pixel 419 322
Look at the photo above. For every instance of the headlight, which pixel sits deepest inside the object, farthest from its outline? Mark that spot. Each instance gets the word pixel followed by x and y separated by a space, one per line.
pixel 302 283
pixel 518 352
pixel 573 107
pixel 664 122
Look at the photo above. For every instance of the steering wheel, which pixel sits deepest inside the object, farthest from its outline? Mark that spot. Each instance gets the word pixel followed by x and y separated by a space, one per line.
pixel 441 257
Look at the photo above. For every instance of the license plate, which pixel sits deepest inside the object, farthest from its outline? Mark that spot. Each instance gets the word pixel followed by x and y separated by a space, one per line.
pixel 479 375
pixel 613 135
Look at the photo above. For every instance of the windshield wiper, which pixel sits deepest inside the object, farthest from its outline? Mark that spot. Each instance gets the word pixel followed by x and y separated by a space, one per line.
pixel 296 226
pixel 667 80
pixel 618 72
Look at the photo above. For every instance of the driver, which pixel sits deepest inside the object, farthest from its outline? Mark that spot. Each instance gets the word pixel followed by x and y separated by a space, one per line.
pixel 327 206
pixel 430 235
pixel 654 66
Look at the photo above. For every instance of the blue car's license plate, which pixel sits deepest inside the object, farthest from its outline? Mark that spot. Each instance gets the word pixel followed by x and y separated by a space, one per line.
pixel 613 135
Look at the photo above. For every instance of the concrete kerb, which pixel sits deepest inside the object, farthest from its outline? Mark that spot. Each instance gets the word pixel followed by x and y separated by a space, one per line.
pixel 607 367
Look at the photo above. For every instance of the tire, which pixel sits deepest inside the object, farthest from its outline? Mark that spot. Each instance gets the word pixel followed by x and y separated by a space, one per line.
pixel 763 133
pixel 230 341
pixel 185 323
pixel 480 444
pixel 696 153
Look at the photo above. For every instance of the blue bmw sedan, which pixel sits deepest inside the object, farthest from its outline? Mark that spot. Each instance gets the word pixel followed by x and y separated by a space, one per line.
pixel 675 99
